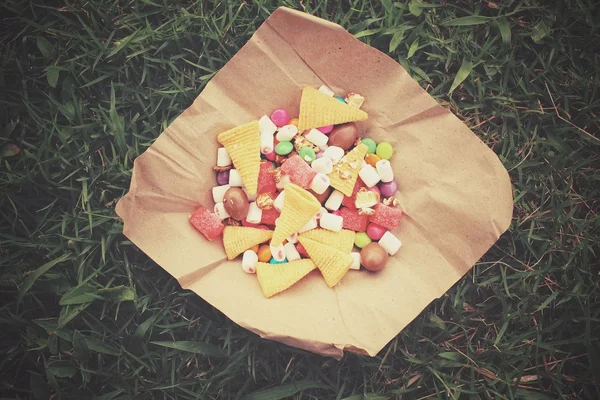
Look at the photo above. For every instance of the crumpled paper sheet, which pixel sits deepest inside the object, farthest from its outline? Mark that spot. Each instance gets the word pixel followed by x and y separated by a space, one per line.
pixel 455 192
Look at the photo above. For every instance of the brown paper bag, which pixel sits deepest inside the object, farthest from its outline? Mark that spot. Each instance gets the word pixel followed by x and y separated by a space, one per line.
pixel 454 190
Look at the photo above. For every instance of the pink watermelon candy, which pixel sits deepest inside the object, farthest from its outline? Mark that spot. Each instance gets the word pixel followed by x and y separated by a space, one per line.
pixel 207 222
pixel 269 216
pixel 349 201
pixel 266 180
pixel 353 220
pixel 298 171
pixel 386 216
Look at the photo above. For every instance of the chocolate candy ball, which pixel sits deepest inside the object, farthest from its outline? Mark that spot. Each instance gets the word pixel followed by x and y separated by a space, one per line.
pixel 373 257
pixel 344 135
pixel 236 204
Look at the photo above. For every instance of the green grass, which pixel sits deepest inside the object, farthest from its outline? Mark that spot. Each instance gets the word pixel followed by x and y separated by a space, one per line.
pixel 86 87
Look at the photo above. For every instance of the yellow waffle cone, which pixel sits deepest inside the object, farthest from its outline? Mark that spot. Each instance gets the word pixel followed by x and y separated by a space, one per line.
pixel 342 240
pixel 345 172
pixel 299 206
pixel 275 278
pixel 332 263
pixel 243 145
pixel 237 239
pixel 317 109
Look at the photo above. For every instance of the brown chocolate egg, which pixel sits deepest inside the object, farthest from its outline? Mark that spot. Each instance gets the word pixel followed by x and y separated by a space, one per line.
pixel 344 135
pixel 236 204
pixel 373 257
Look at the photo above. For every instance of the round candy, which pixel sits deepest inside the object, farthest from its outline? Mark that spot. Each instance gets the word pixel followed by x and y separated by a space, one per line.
pixel 254 248
pixel 326 129
pixel 236 204
pixel 371 145
pixel 284 148
pixel 361 239
pixel 274 261
pixel 344 135
pixel 340 99
pixel 388 189
pixel 372 159
pixel 307 154
pixel 384 150
pixel 320 153
pixel 280 117
pixel 294 121
pixel 223 177
pixel 271 156
pixel 264 253
pixel 373 257
pixel 375 231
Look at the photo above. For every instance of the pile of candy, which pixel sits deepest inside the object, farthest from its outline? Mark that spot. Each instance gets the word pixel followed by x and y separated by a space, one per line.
pixel 309 185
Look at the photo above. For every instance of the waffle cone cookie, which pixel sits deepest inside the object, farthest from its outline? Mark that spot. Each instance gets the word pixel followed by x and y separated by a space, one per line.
pixel 345 172
pixel 332 263
pixel 275 278
pixel 342 240
pixel 299 206
pixel 243 145
pixel 237 239
pixel 317 109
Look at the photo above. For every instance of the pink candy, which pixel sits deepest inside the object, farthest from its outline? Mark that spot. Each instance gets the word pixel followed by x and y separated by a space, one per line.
pixel 349 201
pixel 271 156
pixel 299 171
pixel 353 220
pixel 326 129
pixel 375 231
pixel 386 216
pixel 208 223
pixel 280 117
pixel 336 212
pixel 269 216
pixel 266 180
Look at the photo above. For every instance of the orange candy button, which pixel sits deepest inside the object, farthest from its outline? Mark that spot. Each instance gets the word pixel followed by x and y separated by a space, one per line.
pixel 372 159
pixel 264 253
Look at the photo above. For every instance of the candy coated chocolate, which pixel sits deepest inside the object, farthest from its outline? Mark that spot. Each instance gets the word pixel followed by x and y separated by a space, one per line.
pixel 235 202
pixel 344 135
pixel 280 117
pixel 223 177
pixel 373 257
pixel 388 189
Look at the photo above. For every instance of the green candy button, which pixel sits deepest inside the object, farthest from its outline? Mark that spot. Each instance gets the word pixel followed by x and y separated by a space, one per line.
pixel 361 239
pixel 384 150
pixel 371 145
pixel 307 154
pixel 284 148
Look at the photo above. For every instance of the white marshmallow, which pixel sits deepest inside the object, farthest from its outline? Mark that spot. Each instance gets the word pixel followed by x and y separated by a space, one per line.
pixel 250 197
pixel 286 133
pixel 293 238
pixel 334 201
pixel 266 125
pixel 332 222
pixel 284 180
pixel 278 202
pixel 249 260
pixel 220 211
pixel 310 225
pixel 267 143
pixel 385 171
pixel 355 260
pixel 317 137
pixel 320 183
pixel 369 175
pixel 321 212
pixel 278 252
pixel 254 213
pixel 218 192
pixel 390 243
pixel 290 252
pixel 223 158
pixel 235 179
pixel 323 165
pixel 335 153
pixel 325 90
